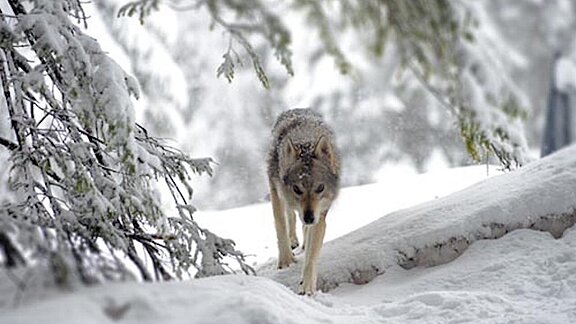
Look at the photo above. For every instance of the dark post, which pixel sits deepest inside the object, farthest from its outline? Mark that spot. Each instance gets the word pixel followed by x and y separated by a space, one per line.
pixel 558 127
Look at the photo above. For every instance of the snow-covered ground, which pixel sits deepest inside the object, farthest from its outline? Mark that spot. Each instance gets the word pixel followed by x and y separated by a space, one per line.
pixel 525 276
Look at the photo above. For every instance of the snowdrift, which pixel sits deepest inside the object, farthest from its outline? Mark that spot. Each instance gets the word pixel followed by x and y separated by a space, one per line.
pixel 524 277
pixel 224 299
pixel 540 196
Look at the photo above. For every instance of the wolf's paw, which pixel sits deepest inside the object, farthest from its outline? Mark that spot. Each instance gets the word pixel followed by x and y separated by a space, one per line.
pixel 307 288
pixel 294 244
pixel 284 263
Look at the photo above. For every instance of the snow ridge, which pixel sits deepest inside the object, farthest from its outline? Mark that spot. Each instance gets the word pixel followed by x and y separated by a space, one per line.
pixel 446 251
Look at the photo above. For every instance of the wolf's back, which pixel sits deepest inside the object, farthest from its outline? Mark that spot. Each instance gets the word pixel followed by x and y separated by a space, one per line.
pixel 302 126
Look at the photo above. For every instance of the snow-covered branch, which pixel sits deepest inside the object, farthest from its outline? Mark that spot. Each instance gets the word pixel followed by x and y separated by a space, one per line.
pixel 83 172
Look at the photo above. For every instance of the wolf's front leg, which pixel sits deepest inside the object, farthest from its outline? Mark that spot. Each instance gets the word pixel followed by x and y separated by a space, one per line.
pixel 292 229
pixel 305 236
pixel 285 256
pixel 313 243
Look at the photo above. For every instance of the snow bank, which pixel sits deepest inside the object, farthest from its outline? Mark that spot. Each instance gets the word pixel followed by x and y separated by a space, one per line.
pixel 225 299
pixel 526 277
pixel 541 195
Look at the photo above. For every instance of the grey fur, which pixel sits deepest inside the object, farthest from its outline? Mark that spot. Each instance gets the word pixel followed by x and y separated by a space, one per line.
pixel 304 128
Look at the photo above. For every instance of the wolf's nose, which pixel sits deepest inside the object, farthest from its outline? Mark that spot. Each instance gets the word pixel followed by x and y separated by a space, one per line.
pixel 308 217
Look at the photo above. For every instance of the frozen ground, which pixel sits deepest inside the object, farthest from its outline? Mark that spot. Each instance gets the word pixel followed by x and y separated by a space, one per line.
pixel 524 276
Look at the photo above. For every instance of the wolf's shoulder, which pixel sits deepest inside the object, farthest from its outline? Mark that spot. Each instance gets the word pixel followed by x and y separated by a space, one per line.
pixel 297 115
pixel 300 121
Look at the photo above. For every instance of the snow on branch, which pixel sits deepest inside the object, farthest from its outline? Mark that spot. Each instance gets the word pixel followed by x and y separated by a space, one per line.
pixel 83 171
pixel 251 18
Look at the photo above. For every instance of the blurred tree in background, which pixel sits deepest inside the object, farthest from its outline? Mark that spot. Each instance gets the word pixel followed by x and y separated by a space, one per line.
pixel 430 38
pixel 401 81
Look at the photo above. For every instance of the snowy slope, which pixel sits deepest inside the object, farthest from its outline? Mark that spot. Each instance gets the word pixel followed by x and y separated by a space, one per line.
pixel 523 277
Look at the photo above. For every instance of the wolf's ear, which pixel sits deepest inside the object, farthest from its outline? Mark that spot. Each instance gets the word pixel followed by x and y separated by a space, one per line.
pixel 323 150
pixel 290 150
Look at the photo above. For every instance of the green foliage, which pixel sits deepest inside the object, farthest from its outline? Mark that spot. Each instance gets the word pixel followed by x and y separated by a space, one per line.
pixel 480 142
pixel 512 108
pixel 251 18
pixel 143 8
pixel 227 67
pixel 318 18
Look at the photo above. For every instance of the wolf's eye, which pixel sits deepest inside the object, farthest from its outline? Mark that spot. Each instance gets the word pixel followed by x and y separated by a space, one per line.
pixel 296 190
pixel 320 188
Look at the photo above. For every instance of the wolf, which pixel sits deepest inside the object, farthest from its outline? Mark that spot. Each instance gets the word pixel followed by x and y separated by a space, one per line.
pixel 303 168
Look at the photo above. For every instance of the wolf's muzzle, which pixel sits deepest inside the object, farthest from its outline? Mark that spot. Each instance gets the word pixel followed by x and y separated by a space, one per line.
pixel 308 217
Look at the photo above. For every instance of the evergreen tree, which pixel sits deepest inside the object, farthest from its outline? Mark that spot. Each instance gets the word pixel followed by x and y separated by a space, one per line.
pixel 82 198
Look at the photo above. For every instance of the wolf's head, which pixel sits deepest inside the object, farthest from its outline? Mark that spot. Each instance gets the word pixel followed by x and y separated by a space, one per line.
pixel 309 178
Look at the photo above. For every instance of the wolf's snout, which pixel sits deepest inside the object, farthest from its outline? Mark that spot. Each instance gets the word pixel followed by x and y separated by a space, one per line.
pixel 308 217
